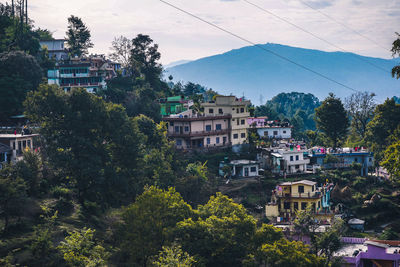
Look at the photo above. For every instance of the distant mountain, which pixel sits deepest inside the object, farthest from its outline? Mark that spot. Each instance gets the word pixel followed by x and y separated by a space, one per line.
pixel 176 63
pixel 261 75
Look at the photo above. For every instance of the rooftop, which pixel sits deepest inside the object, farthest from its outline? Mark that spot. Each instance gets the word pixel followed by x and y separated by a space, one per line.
pixel 243 162
pixel 13 136
pixel 307 182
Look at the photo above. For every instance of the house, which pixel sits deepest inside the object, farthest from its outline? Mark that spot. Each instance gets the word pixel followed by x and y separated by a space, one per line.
pixel 385 253
pixel 237 109
pixel 242 168
pixel 342 158
pixel 55 48
pixel 356 224
pixel 90 73
pixel 192 130
pixel 288 197
pixel 15 144
pixel 174 105
pixel 271 129
pixel 288 161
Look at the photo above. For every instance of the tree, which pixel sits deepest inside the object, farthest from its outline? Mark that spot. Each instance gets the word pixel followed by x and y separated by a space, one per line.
pixel 144 60
pixel 391 160
pixel 80 249
pixel 173 256
pixel 121 51
pixel 360 106
pixel 283 253
pixel 331 118
pixel 382 126
pixel 19 73
pixel 221 234
pixel 396 51
pixel 305 224
pixel 150 222
pixel 78 37
pixel 330 241
pixel 12 195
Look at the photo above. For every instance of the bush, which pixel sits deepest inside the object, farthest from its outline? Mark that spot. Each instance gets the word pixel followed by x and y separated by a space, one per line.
pixel 62 192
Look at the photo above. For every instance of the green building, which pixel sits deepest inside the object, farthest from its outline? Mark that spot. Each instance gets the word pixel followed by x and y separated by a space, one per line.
pixel 174 105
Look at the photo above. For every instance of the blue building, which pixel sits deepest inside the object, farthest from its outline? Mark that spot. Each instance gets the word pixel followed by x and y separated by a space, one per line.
pixel 342 158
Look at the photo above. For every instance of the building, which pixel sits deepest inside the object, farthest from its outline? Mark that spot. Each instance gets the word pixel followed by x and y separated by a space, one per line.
pixel 237 109
pixel 384 253
pixel 270 129
pixel 197 131
pixel 55 48
pixel 288 197
pixel 287 161
pixel 90 73
pixel 240 168
pixel 342 158
pixel 14 144
pixel 5 154
pixel 174 105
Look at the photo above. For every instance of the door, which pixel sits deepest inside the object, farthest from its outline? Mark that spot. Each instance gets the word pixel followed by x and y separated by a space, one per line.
pixel 246 172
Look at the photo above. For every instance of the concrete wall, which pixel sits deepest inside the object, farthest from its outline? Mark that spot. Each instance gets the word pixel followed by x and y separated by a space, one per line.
pixel 275 132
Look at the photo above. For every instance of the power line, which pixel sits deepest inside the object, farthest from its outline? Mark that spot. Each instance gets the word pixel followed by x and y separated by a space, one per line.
pixel 259 46
pixel 314 35
pixel 343 25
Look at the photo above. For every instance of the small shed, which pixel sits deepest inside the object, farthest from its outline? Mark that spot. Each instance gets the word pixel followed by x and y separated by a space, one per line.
pixel 356 224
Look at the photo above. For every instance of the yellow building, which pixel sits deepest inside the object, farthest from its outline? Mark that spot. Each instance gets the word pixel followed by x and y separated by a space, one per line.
pixel 237 108
pixel 289 197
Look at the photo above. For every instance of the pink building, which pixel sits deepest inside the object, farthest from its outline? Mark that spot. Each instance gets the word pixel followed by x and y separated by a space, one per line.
pixel 199 131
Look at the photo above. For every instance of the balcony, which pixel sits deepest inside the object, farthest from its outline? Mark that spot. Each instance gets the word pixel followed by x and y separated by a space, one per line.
pixel 297 162
pixel 316 194
pixel 197 117
pixel 198 133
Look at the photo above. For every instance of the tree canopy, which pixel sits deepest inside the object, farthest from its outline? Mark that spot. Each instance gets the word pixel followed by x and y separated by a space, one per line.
pixel 78 37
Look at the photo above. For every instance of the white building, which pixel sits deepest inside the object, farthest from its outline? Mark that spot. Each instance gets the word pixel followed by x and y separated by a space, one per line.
pixel 289 161
pixel 241 168
pixel 56 48
pixel 275 132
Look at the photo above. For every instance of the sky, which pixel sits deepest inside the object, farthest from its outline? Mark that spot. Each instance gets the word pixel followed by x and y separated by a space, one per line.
pixel 181 37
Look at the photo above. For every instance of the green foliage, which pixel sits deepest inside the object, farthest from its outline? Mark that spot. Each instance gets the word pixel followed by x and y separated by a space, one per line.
pixel 150 221
pixel 330 241
pixel 29 169
pixel 80 249
pixel 19 74
pixel 331 118
pixel 283 253
pixel 382 126
pixel 220 235
pixel 396 51
pixel 78 37
pixel 391 160
pixel 298 108
pixel 173 257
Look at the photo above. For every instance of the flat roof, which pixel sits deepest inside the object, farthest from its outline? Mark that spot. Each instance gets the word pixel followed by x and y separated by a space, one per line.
pixel 243 162
pixel 12 136
pixel 307 182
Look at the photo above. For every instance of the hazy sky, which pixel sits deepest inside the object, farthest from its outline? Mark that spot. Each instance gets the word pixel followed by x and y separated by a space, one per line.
pixel 182 37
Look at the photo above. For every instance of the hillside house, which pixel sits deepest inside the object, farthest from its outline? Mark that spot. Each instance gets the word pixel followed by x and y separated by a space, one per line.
pixel 56 48
pixel 288 197
pixel 287 161
pixel 242 168
pixel 174 105
pixel 270 129
pixel 14 144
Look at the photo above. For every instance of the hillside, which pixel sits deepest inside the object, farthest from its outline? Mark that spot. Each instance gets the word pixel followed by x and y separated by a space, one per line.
pixel 254 73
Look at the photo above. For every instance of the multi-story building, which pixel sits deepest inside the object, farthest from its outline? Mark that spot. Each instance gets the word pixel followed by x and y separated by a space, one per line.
pixel 55 48
pixel 174 105
pixel 289 197
pixel 237 109
pixel 271 129
pixel 287 161
pixel 191 131
pixel 90 73
pixel 13 145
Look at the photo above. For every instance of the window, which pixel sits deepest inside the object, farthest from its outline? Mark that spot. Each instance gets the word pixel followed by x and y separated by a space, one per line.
pixel 218 127
pixel 303 205
pixel 243 135
pixel 24 143
pixel 237 110
pixel 186 128
pixel 319 204
pixel 253 169
pixel 178 142
pixel 297 167
pixel 208 128
pixel 242 122
pixel 217 140
pixel 286 205
pixel 284 132
pixel 275 132
pixel 370 159
pixel 29 143
pixel 19 145
pixel 220 111
pixel 208 140
pixel 172 123
pixel 266 133
pixel 291 158
pixel 235 136
pixel 211 110
pixel 301 189
pixel 224 139
pixel 241 110
pixel 296 205
pixel 356 160
pixel 297 157
pixel 237 122
pixel 13 145
pixel 176 129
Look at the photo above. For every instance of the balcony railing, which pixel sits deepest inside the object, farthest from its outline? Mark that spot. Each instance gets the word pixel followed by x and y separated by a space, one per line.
pixel 198 133
pixel 316 194
pixel 197 117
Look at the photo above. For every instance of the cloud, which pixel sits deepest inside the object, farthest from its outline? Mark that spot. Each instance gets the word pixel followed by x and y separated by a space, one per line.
pixel 319 4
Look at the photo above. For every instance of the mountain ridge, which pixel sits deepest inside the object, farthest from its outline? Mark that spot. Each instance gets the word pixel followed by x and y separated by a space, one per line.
pixel 258 74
